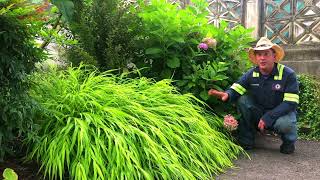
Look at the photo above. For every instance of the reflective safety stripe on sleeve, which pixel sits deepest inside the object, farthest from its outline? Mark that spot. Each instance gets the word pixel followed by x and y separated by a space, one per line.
pixel 291 97
pixel 237 87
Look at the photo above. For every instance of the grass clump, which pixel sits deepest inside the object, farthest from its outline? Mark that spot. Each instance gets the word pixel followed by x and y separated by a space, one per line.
pixel 99 126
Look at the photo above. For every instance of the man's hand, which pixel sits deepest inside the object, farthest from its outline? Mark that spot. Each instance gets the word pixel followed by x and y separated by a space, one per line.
pixel 221 95
pixel 261 125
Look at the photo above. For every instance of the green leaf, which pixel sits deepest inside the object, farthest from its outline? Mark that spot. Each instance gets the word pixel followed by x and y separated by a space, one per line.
pixel 194 41
pixel 66 7
pixel 222 69
pixel 212 74
pixel 202 83
pixel 166 74
pixel 219 77
pixel 217 87
pixel 204 95
pixel 153 51
pixel 205 76
pixel 174 62
pixel 9 174
pixel 178 39
pixel 191 84
pixel 181 83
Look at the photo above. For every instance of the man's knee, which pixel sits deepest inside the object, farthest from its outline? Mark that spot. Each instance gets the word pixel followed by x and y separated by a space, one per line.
pixel 286 124
pixel 245 102
pixel 284 127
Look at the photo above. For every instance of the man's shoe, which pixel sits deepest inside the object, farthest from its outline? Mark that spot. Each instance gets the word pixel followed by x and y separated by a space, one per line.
pixel 287 148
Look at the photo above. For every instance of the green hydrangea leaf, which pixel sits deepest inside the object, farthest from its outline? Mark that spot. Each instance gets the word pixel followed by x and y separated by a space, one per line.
pixel 174 62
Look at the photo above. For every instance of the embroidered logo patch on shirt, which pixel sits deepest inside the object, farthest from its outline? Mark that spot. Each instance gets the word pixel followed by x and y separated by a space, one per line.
pixel 276 87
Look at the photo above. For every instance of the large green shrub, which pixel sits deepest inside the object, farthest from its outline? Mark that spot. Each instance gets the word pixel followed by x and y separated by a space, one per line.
pixel 98 126
pixel 105 30
pixel 160 36
pixel 171 37
pixel 308 109
pixel 18 55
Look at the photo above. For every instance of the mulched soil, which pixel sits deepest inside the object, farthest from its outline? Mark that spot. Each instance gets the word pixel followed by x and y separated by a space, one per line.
pixel 25 171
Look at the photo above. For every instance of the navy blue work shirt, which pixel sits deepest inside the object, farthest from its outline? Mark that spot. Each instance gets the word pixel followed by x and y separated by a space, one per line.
pixel 276 94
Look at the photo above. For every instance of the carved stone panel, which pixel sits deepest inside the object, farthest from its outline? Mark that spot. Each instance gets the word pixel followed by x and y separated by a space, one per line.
pixel 291 21
pixel 227 10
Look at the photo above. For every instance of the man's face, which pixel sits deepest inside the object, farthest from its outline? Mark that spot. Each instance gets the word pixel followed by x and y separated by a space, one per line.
pixel 265 59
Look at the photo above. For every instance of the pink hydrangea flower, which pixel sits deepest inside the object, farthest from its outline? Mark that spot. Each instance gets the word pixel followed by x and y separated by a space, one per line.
pixel 203 46
pixel 230 122
pixel 212 43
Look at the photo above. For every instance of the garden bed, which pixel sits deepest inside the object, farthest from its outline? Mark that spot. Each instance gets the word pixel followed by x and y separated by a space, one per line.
pixel 25 171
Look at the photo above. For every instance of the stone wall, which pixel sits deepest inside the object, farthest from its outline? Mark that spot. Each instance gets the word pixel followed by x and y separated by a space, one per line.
pixel 303 58
pixel 300 19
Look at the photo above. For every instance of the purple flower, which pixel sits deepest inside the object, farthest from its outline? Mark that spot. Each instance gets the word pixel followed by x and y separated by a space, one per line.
pixel 203 46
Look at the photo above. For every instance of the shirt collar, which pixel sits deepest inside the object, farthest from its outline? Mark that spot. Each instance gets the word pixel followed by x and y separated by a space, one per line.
pixel 273 72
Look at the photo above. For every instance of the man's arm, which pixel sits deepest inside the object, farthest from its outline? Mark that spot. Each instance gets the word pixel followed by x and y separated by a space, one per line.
pixel 219 94
pixel 237 89
pixel 240 87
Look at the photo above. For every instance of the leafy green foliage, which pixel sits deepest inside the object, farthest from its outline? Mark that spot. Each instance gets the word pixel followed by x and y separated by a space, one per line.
pixel 308 109
pixel 66 7
pixel 54 30
pixel 99 126
pixel 77 56
pixel 18 55
pixel 163 38
pixel 171 37
pixel 106 30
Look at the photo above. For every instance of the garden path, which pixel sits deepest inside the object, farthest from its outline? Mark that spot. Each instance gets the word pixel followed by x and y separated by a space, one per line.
pixel 268 163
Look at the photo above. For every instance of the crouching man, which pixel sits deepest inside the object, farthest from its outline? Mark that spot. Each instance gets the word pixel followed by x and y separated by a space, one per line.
pixel 267 97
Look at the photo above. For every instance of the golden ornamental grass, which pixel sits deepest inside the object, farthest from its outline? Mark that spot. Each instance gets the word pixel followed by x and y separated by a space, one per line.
pixel 98 126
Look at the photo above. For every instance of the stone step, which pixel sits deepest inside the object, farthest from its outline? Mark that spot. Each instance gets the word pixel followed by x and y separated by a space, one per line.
pixel 303 58
pixel 311 67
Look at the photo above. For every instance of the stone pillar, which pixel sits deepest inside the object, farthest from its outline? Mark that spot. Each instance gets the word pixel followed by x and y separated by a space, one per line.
pixel 252 16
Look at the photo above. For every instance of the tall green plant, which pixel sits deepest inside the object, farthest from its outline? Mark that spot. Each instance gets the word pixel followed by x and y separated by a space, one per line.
pixel 66 8
pixel 171 37
pixel 99 126
pixel 18 54
pixel 308 109
pixel 105 30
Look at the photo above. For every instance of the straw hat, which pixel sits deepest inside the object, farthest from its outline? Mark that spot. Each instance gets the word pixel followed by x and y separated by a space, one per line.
pixel 263 44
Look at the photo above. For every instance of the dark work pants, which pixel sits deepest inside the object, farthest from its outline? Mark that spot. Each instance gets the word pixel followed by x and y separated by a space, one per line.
pixel 285 126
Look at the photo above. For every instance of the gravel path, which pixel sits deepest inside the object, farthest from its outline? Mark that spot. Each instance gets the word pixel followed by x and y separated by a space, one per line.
pixel 268 163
